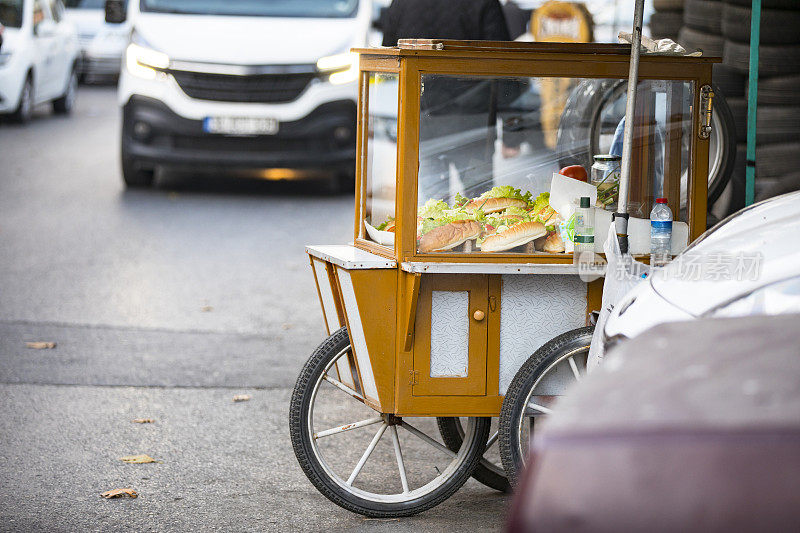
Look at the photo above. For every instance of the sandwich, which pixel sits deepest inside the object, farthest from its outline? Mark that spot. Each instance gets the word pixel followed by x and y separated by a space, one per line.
pixel 449 236
pixel 508 237
pixel 553 244
pixel 495 200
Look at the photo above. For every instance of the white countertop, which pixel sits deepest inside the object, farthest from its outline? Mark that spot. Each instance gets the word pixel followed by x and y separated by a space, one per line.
pixel 349 257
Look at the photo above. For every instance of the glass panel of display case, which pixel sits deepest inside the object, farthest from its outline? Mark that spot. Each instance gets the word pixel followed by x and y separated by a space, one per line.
pixel 489 149
pixel 381 158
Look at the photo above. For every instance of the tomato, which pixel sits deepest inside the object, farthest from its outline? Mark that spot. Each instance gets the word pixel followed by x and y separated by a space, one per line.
pixel 576 172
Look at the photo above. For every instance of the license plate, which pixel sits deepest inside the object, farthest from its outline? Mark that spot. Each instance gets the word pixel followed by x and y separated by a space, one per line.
pixel 240 125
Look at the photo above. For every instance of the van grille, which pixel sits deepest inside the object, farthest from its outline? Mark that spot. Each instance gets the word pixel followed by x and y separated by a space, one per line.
pixel 255 88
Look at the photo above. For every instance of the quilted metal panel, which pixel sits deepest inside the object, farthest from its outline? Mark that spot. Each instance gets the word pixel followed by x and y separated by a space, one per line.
pixel 534 309
pixel 449 334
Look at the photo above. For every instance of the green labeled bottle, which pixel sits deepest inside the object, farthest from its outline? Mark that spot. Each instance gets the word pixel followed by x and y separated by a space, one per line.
pixel 584 228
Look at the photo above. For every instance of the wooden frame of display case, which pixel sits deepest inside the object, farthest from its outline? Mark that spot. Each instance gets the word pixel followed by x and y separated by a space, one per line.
pixel 511 59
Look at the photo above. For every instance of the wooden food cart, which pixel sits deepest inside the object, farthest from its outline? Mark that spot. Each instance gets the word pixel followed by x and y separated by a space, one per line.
pixel 422 327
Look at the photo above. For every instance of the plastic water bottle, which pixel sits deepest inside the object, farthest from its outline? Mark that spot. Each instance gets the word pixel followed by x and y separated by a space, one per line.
pixel 660 233
pixel 584 231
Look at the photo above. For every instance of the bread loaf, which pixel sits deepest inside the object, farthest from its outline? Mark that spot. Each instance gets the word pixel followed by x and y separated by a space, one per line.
pixel 513 237
pixel 553 244
pixel 493 205
pixel 449 236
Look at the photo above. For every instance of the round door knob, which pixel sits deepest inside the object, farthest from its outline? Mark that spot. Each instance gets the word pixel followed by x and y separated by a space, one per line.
pixel 478 315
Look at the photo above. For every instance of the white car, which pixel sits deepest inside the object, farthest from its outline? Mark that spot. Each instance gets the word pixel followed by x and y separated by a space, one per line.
pixel 748 264
pixel 38 58
pixel 240 83
pixel 102 44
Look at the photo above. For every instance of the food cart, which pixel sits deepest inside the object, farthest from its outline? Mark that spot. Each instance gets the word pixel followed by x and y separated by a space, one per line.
pixel 460 265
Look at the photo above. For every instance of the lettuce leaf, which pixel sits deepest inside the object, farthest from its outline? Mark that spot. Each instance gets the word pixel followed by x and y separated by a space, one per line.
pixel 541 201
pixel 506 191
pixel 383 226
pixel 433 209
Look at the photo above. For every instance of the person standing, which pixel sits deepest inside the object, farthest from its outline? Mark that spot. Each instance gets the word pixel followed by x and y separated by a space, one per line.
pixel 471 20
pixel 458 114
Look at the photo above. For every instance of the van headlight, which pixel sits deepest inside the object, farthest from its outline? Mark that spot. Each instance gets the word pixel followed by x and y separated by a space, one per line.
pixel 143 62
pixel 343 68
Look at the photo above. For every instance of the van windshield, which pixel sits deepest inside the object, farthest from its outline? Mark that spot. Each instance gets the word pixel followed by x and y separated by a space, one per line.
pixel 255 8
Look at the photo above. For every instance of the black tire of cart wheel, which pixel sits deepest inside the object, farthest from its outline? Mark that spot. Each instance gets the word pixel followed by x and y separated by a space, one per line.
pixel 485 472
pixel 778 26
pixel 709 43
pixel 703 15
pixel 301 443
pixel 583 106
pixel 773 60
pixel 516 395
pixel 665 23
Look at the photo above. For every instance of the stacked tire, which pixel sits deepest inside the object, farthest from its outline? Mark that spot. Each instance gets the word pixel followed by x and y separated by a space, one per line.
pixel 778 109
pixel 666 21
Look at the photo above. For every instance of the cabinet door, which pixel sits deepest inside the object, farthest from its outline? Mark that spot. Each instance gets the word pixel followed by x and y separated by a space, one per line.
pixel 450 336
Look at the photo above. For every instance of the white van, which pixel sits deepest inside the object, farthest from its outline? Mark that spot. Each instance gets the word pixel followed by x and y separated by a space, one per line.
pixel 102 44
pixel 240 84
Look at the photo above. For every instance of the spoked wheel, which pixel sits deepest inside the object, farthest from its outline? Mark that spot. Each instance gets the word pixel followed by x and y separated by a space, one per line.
pixel 530 396
pixel 375 464
pixel 489 470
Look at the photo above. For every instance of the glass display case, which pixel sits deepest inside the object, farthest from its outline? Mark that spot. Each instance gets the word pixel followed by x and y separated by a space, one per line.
pixel 460 142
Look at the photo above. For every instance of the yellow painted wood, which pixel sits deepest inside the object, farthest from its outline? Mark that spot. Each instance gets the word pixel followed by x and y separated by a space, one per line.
pixel 375 292
pixel 474 384
pixel 410 284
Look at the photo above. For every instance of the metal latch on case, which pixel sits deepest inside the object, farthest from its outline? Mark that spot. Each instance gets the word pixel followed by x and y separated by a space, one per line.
pixel 706 109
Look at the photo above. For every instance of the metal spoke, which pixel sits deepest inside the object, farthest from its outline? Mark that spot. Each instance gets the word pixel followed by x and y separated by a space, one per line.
pixel 492 440
pixel 574 369
pixel 427 439
pixel 341 386
pixel 347 427
pixel 540 408
pixel 367 453
pixel 399 455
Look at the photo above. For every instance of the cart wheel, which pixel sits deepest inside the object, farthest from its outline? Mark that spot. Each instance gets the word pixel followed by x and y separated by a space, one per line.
pixel 524 404
pixel 336 443
pixel 489 470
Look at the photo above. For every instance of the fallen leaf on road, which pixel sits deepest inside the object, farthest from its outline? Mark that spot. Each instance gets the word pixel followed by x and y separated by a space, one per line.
pixel 143 421
pixel 138 459
pixel 241 397
pixel 40 345
pixel 286 326
pixel 119 493
pixel 206 309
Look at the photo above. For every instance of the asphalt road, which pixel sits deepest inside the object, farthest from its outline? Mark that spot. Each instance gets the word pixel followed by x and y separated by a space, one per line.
pixel 163 304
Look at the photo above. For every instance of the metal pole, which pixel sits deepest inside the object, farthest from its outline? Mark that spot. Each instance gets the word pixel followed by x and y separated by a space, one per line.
pixel 752 101
pixel 621 216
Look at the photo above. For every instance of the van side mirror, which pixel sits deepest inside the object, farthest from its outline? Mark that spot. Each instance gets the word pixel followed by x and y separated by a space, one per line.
pixel 115 11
